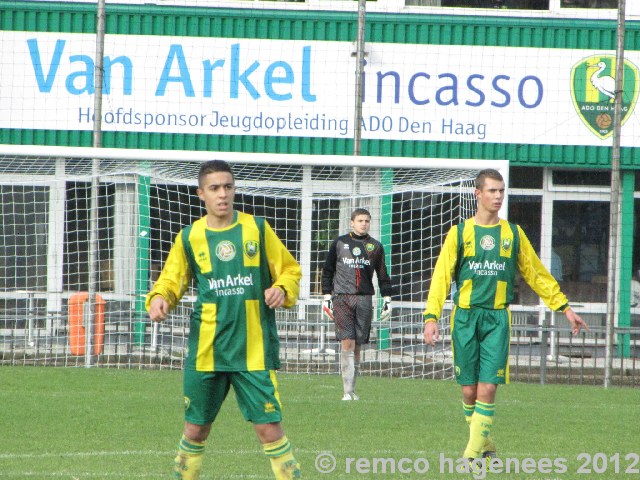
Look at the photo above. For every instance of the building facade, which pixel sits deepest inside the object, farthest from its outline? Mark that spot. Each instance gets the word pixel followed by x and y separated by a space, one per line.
pixel 527 81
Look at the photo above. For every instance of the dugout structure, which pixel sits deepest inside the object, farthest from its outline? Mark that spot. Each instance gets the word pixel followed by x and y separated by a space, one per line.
pixel 102 221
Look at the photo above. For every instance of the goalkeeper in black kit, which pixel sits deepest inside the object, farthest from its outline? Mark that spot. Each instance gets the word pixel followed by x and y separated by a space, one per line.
pixel 347 286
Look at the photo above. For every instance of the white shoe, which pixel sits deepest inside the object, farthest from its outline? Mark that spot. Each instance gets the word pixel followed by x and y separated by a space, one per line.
pixel 350 396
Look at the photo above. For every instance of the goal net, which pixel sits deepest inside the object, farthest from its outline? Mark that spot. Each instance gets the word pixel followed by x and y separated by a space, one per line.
pixel 85 233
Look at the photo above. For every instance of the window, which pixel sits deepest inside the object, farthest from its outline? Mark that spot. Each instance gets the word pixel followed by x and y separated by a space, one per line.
pixel 594 178
pixel 77 234
pixel 23 250
pixel 589 4
pixel 525 177
pixel 567 222
pixel 520 4
pixel 526 210
pixel 581 241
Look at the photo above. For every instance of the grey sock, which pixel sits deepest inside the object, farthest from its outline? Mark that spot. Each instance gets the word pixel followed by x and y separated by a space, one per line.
pixel 347 368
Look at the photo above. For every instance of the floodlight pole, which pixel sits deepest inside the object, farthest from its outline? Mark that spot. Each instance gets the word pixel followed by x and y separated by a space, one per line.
pixel 616 200
pixel 90 311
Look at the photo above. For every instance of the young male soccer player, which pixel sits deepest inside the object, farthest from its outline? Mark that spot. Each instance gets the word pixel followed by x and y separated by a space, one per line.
pixel 242 272
pixel 348 273
pixel 482 255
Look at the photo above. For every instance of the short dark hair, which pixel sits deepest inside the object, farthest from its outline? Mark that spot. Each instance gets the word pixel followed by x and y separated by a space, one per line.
pixel 487 173
pixel 213 166
pixel 359 211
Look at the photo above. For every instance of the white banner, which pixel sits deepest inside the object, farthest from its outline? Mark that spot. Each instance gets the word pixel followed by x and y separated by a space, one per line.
pixel 221 86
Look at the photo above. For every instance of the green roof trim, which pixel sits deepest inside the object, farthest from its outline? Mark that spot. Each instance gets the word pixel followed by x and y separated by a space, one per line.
pixel 414 28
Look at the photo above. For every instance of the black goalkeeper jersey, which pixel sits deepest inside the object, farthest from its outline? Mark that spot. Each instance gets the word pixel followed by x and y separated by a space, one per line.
pixel 350 264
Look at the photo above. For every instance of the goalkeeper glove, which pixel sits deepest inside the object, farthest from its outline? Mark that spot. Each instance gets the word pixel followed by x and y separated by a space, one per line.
pixel 385 313
pixel 327 307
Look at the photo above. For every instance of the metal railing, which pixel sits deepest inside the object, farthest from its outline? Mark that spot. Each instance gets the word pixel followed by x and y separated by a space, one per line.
pixel 541 354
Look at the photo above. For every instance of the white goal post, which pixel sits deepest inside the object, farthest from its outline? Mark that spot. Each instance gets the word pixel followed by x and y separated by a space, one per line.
pixel 97 224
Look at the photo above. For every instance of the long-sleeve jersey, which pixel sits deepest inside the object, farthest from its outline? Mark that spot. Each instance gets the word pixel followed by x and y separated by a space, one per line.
pixel 482 260
pixel 350 264
pixel 231 327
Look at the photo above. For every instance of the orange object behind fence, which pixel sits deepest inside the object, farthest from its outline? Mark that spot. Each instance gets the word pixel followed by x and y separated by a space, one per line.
pixel 77 339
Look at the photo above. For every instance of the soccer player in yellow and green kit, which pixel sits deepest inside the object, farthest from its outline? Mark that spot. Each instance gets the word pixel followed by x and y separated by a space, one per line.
pixel 481 255
pixel 242 272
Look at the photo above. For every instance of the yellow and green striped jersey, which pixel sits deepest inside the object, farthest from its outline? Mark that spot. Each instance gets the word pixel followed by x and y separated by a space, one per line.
pixel 482 260
pixel 231 328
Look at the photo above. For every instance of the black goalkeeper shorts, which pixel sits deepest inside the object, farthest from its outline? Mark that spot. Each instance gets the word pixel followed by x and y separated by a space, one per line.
pixel 352 315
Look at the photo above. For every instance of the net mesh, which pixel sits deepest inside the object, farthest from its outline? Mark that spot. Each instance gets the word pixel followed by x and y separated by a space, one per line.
pixel 83 239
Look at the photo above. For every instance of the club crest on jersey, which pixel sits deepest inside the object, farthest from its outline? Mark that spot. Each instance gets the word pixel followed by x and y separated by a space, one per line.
pixel 251 248
pixel 487 242
pixel 269 407
pixel 356 251
pixel 225 251
pixel 506 244
pixel 369 247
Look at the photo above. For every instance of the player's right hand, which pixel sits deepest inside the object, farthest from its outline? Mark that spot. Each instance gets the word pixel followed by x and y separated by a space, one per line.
pixel 327 307
pixel 431 333
pixel 158 309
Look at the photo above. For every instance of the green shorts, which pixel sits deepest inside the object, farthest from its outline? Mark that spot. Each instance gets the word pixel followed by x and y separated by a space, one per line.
pixel 256 392
pixel 481 341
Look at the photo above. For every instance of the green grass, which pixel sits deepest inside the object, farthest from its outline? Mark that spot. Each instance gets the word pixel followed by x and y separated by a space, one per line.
pixel 80 424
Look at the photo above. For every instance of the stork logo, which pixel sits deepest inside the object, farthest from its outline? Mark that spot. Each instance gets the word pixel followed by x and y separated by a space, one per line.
pixel 593 92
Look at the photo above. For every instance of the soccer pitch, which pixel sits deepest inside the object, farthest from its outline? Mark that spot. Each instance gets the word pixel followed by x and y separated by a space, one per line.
pixel 81 424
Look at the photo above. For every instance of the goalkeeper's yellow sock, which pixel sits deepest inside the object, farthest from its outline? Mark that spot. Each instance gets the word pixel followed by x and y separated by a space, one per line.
pixel 489 445
pixel 479 429
pixel 188 462
pixel 283 463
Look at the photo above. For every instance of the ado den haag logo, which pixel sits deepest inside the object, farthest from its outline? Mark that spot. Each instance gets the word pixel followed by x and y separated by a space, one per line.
pixel 593 92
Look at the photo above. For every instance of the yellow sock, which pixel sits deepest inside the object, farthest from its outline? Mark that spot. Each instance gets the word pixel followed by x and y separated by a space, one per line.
pixel 468 412
pixel 489 445
pixel 479 429
pixel 188 462
pixel 283 463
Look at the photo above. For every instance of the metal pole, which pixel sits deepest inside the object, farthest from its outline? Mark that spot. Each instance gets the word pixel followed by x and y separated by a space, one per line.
pixel 616 200
pixel 357 130
pixel 95 182
pixel 99 71
pixel 357 127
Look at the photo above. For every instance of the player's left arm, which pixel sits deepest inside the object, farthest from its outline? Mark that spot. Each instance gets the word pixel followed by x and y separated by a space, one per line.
pixel 384 280
pixel 543 283
pixel 384 284
pixel 284 269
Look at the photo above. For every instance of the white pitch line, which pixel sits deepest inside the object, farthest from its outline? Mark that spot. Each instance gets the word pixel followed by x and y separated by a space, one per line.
pixel 85 475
